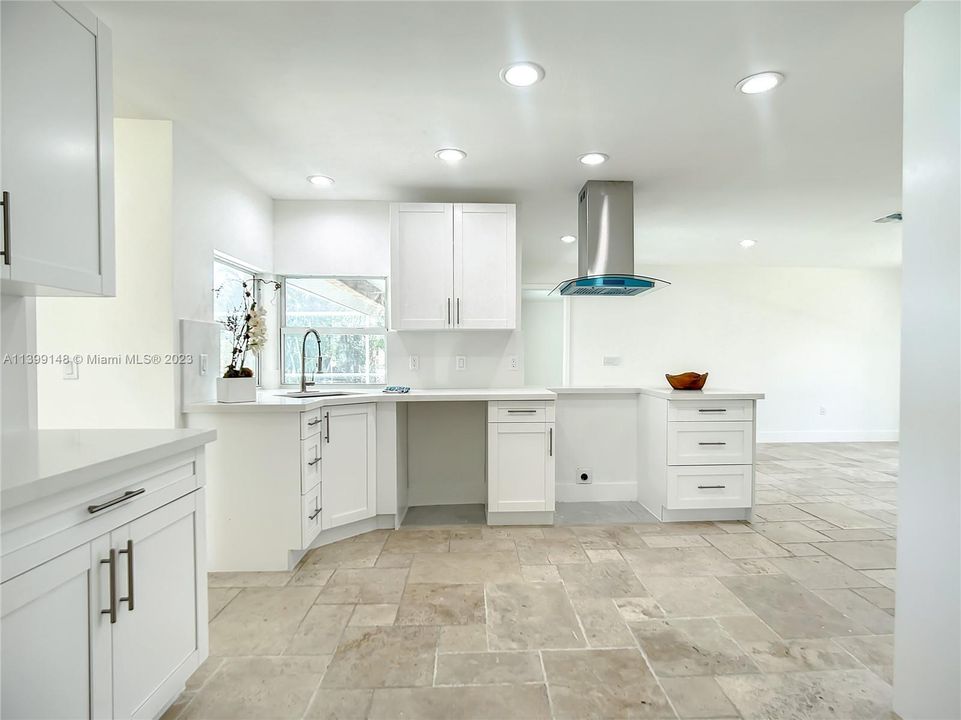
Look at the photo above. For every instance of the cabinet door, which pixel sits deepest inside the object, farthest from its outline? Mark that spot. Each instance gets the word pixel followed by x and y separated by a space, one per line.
pixel 161 625
pixel 520 467
pixel 349 462
pixel 485 276
pixel 57 153
pixel 55 649
pixel 421 266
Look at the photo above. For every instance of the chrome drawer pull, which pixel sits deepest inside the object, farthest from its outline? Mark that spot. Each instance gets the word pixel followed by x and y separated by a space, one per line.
pixel 313 422
pixel 515 412
pixel 315 514
pixel 119 499
pixel 313 462
pixel 712 443
pixel 711 487
pixel 712 409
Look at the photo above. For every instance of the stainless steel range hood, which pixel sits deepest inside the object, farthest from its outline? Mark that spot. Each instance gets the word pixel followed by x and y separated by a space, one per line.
pixel 605 243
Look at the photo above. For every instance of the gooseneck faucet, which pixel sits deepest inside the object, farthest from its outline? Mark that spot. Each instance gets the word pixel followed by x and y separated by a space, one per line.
pixel 303 360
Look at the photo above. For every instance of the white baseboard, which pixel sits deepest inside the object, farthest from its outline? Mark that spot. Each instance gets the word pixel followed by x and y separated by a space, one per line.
pixel 810 436
pixel 596 492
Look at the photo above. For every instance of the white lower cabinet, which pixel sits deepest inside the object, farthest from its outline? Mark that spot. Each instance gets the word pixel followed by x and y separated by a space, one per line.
pixel 520 462
pixel 113 627
pixel 349 465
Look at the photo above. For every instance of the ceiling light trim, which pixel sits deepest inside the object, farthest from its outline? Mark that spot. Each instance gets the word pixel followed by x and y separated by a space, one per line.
pixel 760 82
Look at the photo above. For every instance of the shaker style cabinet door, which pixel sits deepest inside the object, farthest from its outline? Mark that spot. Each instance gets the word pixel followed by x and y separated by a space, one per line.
pixel 158 601
pixel 421 258
pixel 520 467
pixel 56 159
pixel 349 460
pixel 485 258
pixel 55 648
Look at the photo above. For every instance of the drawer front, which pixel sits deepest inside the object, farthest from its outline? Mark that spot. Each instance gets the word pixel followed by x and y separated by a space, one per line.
pixel 710 443
pixel 710 410
pixel 719 486
pixel 310 516
pixel 310 423
pixel 310 453
pixel 539 411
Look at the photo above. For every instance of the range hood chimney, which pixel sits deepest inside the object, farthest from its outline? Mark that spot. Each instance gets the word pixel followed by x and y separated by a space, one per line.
pixel 605 243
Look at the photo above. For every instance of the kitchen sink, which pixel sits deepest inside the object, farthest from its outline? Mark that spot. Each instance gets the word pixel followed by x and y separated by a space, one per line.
pixel 318 393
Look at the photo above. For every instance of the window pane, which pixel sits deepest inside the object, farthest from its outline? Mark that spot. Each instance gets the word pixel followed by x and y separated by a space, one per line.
pixel 348 358
pixel 336 302
pixel 228 296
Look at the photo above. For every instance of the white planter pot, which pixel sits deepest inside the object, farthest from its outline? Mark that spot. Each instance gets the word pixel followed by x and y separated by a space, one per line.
pixel 236 390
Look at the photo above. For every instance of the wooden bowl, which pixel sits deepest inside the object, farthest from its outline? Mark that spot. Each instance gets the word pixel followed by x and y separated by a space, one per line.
pixel 687 381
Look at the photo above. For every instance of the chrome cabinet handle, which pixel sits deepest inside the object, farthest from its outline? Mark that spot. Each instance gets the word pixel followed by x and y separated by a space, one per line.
pixel 458 311
pixel 314 514
pixel 313 462
pixel 112 563
pixel 119 499
pixel 129 553
pixel 712 443
pixel 327 418
pixel 448 311
pixel 550 439
pixel 311 423
pixel 5 202
pixel 711 487
pixel 709 410
pixel 520 412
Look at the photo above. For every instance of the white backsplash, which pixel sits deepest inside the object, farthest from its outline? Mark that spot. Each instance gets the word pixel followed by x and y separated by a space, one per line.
pixel 488 355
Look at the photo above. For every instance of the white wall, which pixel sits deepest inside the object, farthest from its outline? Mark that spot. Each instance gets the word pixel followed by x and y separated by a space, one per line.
pixel 543 325
pixel 927 660
pixel 18 335
pixel 807 337
pixel 353 238
pixel 137 320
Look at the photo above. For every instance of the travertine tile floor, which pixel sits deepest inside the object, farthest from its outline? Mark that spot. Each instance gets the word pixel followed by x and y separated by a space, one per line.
pixel 790 616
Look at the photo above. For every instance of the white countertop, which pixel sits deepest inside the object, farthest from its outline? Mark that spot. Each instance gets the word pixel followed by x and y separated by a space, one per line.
pixel 595 390
pixel 39 463
pixel 276 400
pixel 669 393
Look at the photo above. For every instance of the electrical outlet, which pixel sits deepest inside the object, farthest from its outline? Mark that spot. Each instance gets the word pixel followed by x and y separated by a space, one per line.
pixel 514 363
pixel 585 476
pixel 71 371
pixel 413 362
pixel 203 363
pixel 611 360
pixel 822 410
pixel 460 362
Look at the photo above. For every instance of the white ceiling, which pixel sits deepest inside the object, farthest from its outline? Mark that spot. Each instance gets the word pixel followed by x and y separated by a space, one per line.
pixel 366 92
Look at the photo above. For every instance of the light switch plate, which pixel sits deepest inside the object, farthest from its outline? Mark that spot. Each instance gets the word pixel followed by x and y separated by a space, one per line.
pixel 612 360
pixel 460 362
pixel 71 371
pixel 203 363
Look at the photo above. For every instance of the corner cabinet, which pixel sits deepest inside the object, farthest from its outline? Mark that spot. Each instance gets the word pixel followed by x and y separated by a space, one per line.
pixel 106 616
pixel 57 150
pixel 520 462
pixel 349 462
pixel 453 266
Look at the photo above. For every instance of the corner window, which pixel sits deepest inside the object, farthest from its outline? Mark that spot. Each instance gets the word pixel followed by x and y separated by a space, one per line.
pixel 229 282
pixel 350 316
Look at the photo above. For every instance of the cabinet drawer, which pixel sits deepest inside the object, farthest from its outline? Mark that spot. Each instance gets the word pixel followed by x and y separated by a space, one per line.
pixel 723 486
pixel 710 410
pixel 310 516
pixel 540 411
pixel 310 422
pixel 310 453
pixel 710 443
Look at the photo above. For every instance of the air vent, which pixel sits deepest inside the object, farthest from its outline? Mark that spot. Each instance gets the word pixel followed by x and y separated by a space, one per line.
pixel 892 218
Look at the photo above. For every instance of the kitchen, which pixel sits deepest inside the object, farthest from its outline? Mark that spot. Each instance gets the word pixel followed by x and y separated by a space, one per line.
pixel 295 539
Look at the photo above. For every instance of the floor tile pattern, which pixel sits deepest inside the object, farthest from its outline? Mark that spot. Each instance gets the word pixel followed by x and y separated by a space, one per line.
pixel 605 615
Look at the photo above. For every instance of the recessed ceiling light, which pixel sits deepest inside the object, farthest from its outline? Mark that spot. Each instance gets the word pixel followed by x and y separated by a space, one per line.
pixel 321 180
pixel 746 243
pixel 593 158
pixel 760 82
pixel 450 155
pixel 568 239
pixel 522 74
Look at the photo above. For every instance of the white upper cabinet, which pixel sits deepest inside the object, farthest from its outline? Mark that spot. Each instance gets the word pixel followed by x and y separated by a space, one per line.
pixel 57 151
pixel 453 267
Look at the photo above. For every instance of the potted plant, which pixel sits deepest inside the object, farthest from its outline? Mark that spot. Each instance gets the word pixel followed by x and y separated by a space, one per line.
pixel 246 325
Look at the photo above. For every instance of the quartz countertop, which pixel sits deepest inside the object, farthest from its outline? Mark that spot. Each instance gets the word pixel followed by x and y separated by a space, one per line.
pixel 669 393
pixel 40 463
pixel 277 401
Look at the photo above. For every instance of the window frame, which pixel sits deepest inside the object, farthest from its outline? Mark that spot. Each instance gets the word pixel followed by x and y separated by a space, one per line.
pixel 299 331
pixel 255 275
